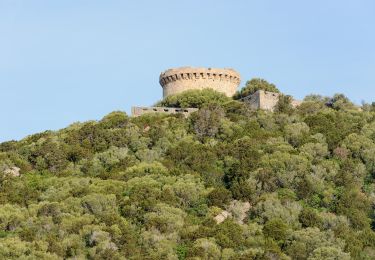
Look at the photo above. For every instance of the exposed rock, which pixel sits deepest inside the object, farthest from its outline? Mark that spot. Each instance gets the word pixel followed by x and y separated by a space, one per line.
pixel 12 171
pixel 222 216
pixel 236 209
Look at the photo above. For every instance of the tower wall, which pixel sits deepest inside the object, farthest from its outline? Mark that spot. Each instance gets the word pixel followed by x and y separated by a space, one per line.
pixel 177 80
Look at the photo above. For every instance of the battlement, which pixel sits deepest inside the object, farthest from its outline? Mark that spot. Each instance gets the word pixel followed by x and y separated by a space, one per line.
pixel 138 111
pixel 266 100
pixel 177 80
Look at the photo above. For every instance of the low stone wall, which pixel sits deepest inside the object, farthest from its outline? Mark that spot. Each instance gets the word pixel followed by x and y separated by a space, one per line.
pixel 138 111
pixel 177 80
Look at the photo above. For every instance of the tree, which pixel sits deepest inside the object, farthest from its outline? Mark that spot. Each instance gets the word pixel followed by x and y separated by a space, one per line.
pixel 194 98
pixel 253 86
pixel 309 218
pixel 310 242
pixel 296 133
pixel 331 253
pixel 219 197
pixel 284 104
pixel 207 121
pixel 116 119
pixel 205 249
pixel 165 218
pixel 340 102
pixel 276 229
pixel 295 184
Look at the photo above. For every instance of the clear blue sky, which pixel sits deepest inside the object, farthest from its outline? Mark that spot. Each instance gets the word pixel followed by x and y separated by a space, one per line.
pixel 72 60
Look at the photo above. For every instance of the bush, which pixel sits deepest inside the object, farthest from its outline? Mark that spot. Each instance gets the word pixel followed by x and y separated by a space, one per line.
pixel 253 86
pixel 276 229
pixel 219 197
pixel 194 98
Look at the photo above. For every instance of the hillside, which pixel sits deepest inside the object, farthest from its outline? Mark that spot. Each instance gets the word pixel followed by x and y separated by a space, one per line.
pixel 228 182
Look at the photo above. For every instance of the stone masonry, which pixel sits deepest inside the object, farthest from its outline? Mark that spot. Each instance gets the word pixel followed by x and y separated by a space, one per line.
pixel 138 111
pixel 266 100
pixel 177 80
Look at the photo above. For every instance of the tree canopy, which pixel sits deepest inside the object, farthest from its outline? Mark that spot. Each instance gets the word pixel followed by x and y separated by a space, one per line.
pixel 194 98
pixel 228 182
pixel 253 86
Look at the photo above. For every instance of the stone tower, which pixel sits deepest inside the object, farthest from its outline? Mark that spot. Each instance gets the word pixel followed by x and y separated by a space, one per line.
pixel 177 80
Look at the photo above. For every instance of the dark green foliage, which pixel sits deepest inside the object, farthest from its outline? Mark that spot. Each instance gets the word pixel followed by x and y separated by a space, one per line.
pixel 8 146
pixel 115 120
pixel 335 126
pixel 309 218
pixel 340 102
pixel 181 252
pixel 276 229
pixel 194 98
pixel 219 197
pixel 229 235
pixel 150 187
pixel 284 105
pixel 207 121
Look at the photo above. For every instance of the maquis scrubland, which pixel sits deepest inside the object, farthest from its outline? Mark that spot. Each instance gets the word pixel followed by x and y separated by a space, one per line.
pixel 226 182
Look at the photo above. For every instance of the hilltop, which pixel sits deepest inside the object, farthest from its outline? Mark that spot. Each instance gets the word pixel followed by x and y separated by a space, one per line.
pixel 227 182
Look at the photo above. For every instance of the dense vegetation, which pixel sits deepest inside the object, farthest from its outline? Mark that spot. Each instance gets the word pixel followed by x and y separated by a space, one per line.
pixel 194 98
pixel 149 187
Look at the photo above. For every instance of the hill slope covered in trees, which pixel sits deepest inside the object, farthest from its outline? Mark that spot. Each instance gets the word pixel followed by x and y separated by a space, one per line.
pixel 149 187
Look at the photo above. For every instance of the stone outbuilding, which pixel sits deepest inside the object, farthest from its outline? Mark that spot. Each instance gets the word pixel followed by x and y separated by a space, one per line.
pixel 266 100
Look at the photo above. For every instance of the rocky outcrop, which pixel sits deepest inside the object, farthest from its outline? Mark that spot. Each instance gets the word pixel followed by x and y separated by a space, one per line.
pixel 13 171
pixel 236 210
pixel 222 216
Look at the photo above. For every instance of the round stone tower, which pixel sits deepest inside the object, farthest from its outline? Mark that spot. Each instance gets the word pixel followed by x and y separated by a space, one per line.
pixel 177 80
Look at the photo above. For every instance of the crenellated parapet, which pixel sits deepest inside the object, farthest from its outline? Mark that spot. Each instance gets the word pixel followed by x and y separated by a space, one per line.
pixel 187 73
pixel 177 80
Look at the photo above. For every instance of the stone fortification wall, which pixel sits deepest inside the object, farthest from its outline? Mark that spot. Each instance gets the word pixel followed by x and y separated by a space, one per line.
pixel 253 100
pixel 177 80
pixel 138 111
pixel 266 100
